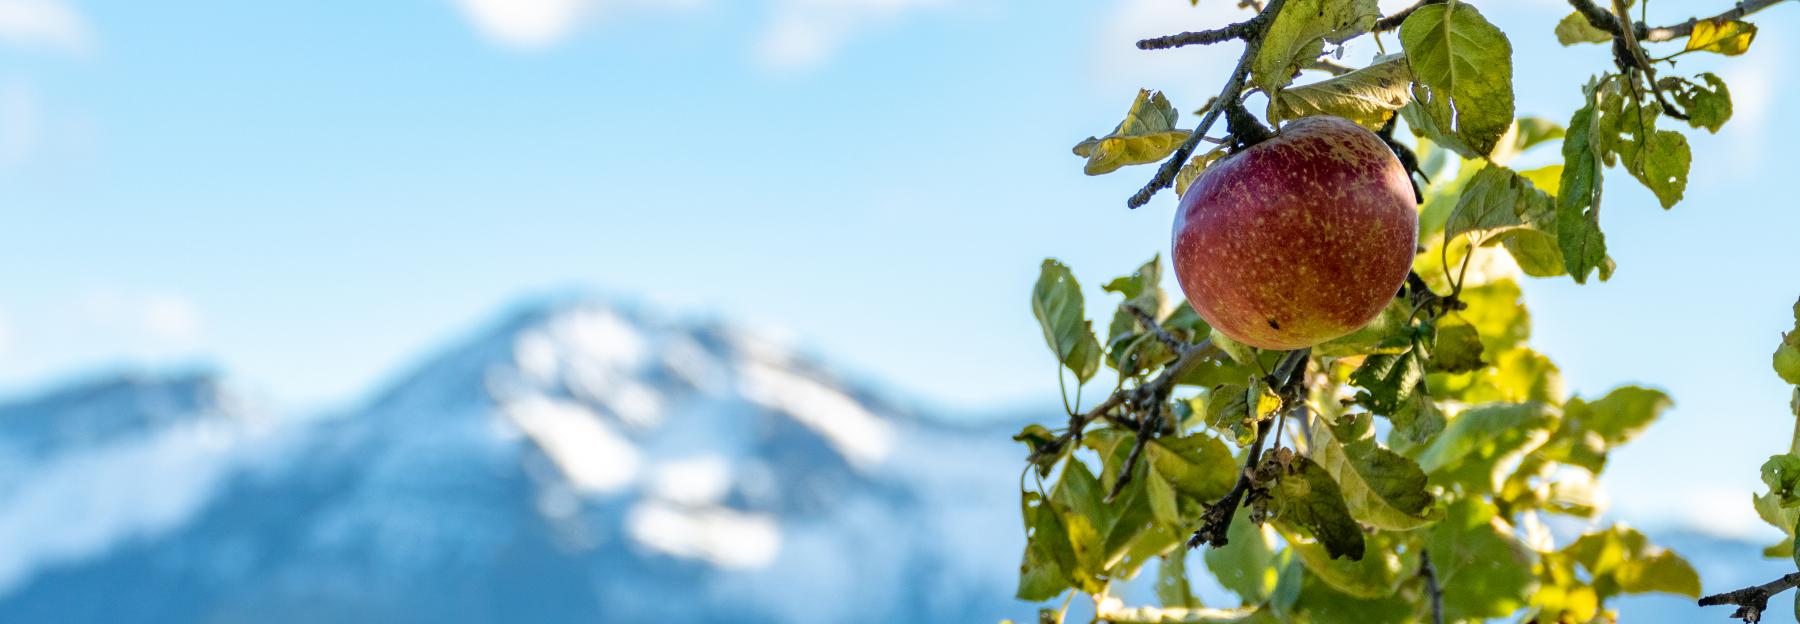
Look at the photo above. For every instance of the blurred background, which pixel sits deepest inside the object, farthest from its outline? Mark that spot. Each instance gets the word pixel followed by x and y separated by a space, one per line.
pixel 693 310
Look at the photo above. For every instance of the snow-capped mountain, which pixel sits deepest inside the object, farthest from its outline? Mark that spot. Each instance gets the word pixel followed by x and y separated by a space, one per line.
pixel 575 462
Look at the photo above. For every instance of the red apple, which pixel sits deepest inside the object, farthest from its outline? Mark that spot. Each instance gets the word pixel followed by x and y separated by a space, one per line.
pixel 1298 239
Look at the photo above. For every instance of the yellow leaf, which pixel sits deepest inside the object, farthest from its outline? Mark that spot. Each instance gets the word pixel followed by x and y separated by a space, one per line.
pixel 1726 37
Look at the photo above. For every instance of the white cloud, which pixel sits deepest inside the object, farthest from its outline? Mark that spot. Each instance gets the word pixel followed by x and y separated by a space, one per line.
pixel 539 24
pixel 799 34
pixel 44 24
pixel 526 23
pixel 803 33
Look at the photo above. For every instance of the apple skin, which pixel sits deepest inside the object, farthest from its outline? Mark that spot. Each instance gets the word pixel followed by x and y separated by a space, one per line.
pixel 1299 239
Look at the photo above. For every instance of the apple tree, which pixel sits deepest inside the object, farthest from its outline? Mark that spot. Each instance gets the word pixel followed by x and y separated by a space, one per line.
pixel 1400 461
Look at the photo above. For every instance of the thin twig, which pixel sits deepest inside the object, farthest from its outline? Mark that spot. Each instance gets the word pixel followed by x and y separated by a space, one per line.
pixel 1156 329
pixel 1394 21
pixel 1751 601
pixel 1432 590
pixel 1603 20
pixel 1222 34
pixel 1233 91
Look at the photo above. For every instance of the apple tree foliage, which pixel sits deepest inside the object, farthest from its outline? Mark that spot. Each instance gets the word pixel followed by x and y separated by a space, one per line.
pixel 1410 471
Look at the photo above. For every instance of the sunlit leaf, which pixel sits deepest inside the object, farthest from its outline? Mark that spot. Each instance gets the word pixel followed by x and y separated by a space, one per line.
pixel 1367 96
pixel 1381 488
pixel 1727 37
pixel 1575 29
pixel 1483 570
pixel 1463 70
pixel 1148 134
pixel 1299 34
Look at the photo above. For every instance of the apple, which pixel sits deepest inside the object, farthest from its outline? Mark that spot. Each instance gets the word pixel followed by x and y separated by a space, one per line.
pixel 1299 239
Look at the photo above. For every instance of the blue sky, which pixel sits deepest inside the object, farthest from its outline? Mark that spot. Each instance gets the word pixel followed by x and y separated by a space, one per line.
pixel 309 195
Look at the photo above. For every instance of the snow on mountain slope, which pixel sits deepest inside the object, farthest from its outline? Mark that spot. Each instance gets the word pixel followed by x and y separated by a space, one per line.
pixel 575 462
pixel 88 467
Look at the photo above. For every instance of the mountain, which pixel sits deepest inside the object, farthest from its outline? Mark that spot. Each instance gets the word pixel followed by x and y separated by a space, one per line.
pixel 574 462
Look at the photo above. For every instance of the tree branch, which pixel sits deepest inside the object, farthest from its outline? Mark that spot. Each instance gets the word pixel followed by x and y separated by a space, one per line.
pixel 1432 590
pixel 1156 328
pixel 1751 601
pixel 1603 20
pixel 1215 524
pixel 1233 91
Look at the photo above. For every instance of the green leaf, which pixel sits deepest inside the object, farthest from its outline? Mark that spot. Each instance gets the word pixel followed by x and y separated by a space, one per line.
pixel 1299 33
pixel 1048 556
pixel 1707 106
pixel 1085 515
pixel 1381 488
pixel 1787 354
pixel 1172 588
pixel 1376 575
pixel 1498 313
pixel 1198 465
pixel 1498 205
pixel 1622 560
pixel 1483 570
pixel 1057 303
pixel 1318 601
pixel 1390 332
pixel 1660 162
pixel 1458 348
pixel 1389 380
pixel 1578 200
pixel 1727 37
pixel 1367 96
pixel 1306 498
pixel 1131 347
pixel 1576 29
pixel 1245 565
pixel 1147 135
pixel 1482 439
pixel 1620 415
pixel 1462 66
pixel 1165 504
pixel 1525 133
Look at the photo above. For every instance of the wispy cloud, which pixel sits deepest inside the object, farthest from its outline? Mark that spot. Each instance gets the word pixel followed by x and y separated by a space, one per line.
pixel 797 34
pixel 540 24
pixel 803 34
pixel 44 24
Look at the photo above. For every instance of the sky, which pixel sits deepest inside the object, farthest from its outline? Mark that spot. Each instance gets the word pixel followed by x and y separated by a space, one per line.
pixel 309 196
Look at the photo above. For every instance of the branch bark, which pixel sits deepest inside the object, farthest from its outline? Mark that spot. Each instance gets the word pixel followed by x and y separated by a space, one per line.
pixel 1432 590
pixel 1394 21
pixel 1602 19
pixel 1752 601
pixel 1233 92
